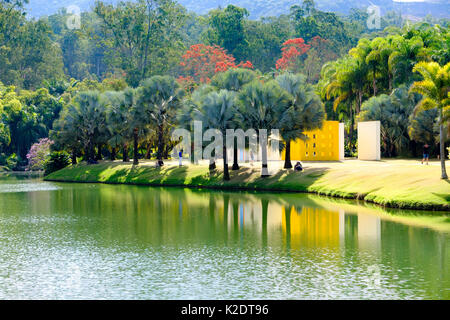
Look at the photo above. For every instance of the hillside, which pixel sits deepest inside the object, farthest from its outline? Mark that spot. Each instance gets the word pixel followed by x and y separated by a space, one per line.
pixel 259 8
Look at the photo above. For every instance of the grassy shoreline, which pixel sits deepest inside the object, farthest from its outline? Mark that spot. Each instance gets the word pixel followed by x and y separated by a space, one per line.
pixel 389 183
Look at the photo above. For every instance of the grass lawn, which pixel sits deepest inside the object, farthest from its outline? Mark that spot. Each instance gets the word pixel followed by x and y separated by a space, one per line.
pixel 391 183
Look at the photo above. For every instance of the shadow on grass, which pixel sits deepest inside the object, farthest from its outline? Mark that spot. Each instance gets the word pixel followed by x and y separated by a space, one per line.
pixel 444 196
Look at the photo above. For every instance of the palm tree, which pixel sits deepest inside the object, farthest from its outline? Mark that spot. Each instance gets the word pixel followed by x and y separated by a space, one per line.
pixel 186 114
pixel 233 80
pixel 158 99
pixel 119 121
pixel 66 135
pixel 260 105
pixel 305 112
pixel 406 53
pixel 88 113
pixel 435 88
pixel 217 112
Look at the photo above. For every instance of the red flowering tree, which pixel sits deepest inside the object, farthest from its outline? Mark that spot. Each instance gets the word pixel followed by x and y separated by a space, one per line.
pixel 201 62
pixel 292 49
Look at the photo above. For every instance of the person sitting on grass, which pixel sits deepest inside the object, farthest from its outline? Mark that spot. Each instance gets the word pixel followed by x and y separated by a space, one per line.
pixel 426 153
pixel 298 166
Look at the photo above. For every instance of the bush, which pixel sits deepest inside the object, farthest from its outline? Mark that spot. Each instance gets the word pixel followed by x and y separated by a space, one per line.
pixel 56 161
pixel 8 163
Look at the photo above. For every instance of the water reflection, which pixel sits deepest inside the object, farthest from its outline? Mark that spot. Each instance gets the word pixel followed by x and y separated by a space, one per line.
pixel 282 245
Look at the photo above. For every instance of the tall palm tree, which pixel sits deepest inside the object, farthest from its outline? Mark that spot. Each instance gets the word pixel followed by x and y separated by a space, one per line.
pixel 66 135
pixel 217 112
pixel 233 80
pixel 406 53
pixel 186 114
pixel 88 114
pixel 158 99
pixel 305 112
pixel 435 88
pixel 119 121
pixel 259 106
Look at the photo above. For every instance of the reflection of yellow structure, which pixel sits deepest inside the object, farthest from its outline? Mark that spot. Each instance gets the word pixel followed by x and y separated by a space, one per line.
pixel 312 227
pixel 322 144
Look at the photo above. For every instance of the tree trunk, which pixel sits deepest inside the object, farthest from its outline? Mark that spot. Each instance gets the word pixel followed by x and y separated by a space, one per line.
pixel 149 152
pixel 226 173
pixel 90 152
pixel 160 145
pixel 235 157
pixel 125 153
pixel 74 157
pixel 99 152
pixel 212 160
pixel 442 146
pixel 351 130
pixel 287 157
pixel 390 82
pixel 264 168
pixel 113 154
pixel 374 82
pixel 136 154
pixel 212 163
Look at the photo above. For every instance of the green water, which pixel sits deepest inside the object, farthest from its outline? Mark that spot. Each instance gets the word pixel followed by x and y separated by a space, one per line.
pixel 91 241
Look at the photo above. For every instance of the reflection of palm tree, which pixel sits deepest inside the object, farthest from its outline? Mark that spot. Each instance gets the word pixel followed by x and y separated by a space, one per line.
pixel 265 206
pixel 287 217
pixel 226 202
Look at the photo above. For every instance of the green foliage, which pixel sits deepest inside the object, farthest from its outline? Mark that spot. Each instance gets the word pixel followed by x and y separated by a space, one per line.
pixel 27 54
pixel 57 160
pixel 393 112
pixel 423 126
pixel 137 33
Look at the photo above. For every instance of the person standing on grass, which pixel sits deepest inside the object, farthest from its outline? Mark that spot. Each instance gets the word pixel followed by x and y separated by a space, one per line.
pixel 426 153
pixel 180 156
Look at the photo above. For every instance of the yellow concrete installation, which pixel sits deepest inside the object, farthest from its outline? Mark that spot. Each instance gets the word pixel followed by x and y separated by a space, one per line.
pixel 322 144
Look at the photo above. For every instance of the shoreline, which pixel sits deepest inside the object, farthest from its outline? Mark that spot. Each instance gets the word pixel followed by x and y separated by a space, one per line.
pixel 319 179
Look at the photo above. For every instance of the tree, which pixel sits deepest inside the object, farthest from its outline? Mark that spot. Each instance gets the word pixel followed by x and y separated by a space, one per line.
pixel 405 55
pixel 305 111
pixel 393 112
pixel 233 80
pixel 435 91
pixel 292 49
pixel 201 62
pixel 28 55
pixel 423 126
pixel 119 121
pixel 38 154
pixel 217 112
pixel 140 32
pixel 259 106
pixel 87 115
pixel 158 99
pixel 227 29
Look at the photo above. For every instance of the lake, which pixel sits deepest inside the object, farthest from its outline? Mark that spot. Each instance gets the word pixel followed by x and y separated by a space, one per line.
pixel 94 241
